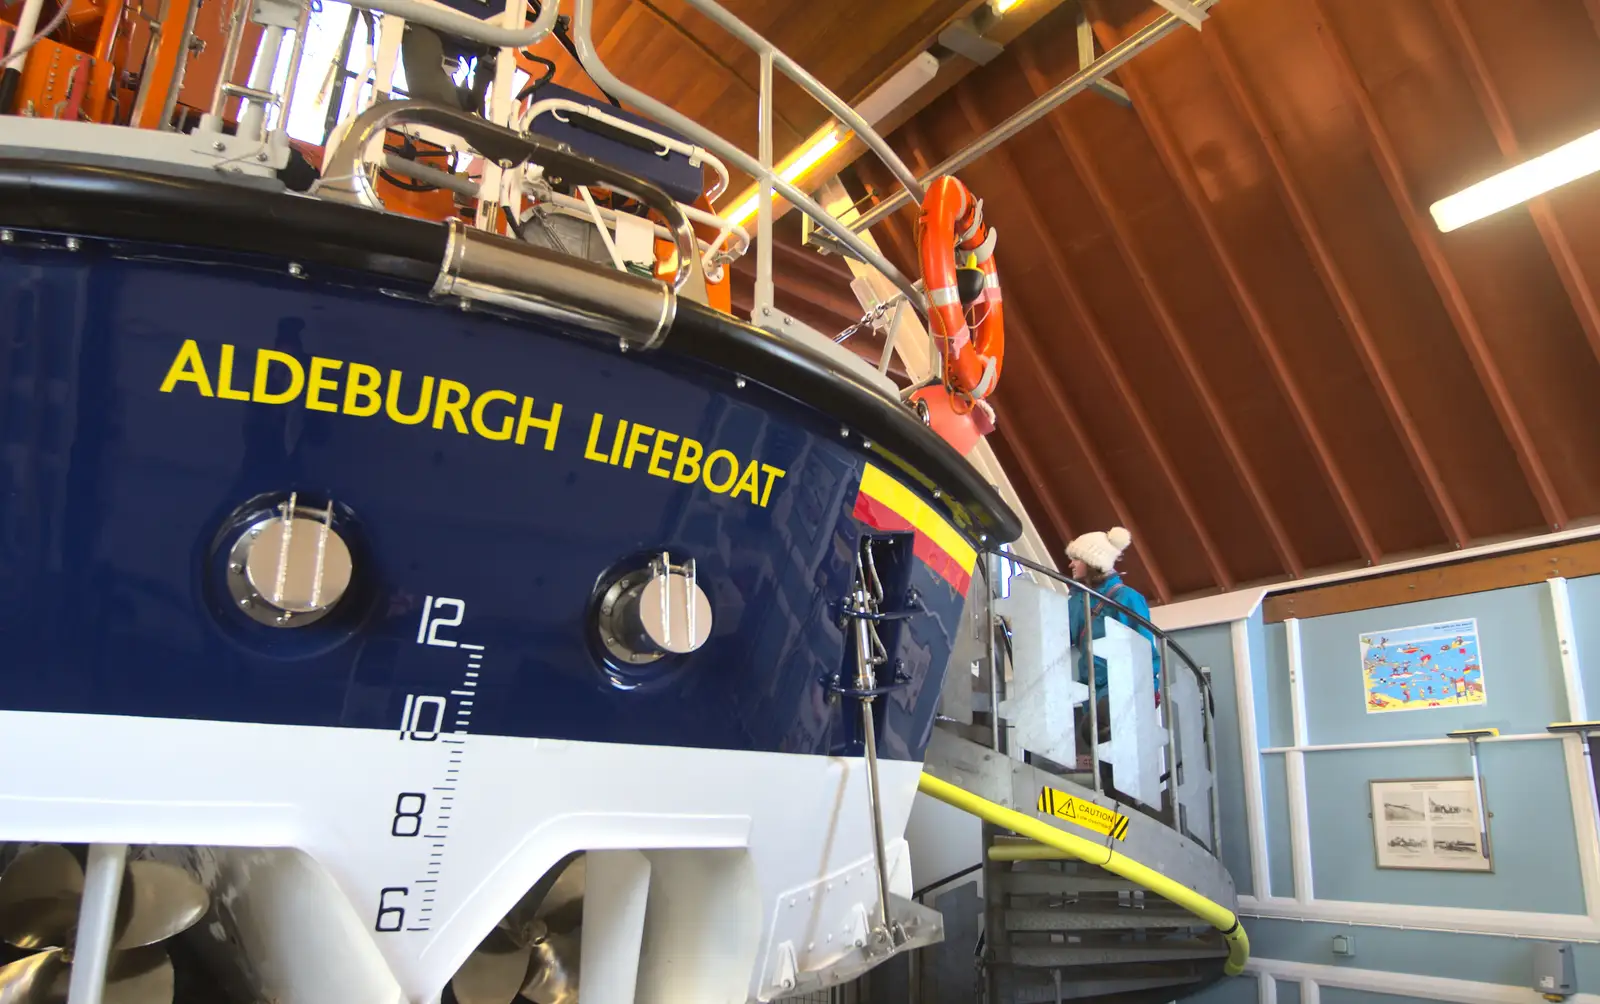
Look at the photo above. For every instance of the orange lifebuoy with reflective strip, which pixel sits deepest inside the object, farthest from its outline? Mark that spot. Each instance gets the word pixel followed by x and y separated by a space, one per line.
pixel 951 226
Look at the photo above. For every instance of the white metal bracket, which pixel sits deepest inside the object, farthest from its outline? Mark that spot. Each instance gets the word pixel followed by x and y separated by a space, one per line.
pixel 1086 58
pixel 1191 14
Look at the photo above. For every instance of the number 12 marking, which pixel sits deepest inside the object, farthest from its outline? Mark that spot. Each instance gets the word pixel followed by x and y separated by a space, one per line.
pixel 432 620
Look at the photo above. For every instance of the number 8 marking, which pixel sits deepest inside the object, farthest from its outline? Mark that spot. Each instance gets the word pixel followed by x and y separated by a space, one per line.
pixel 408 821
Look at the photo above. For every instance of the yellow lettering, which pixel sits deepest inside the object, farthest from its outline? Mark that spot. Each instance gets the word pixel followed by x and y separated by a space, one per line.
pixel 188 367
pixel 225 388
pixel 773 474
pixel 483 400
pixel 750 481
pixel 362 386
pixel 634 446
pixel 589 452
pixel 687 469
pixel 660 453
pixel 733 470
pixel 297 377
pixel 616 444
pixel 316 385
pixel 549 425
pixel 452 398
pixel 392 400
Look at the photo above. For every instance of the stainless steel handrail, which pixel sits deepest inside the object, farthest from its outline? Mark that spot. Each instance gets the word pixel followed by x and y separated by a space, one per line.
pixel 589 56
pixel 811 85
pixel 348 166
pixel 466 26
pixel 1035 110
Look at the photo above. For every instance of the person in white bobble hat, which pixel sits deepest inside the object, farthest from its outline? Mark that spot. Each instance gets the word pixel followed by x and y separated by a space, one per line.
pixel 1093 559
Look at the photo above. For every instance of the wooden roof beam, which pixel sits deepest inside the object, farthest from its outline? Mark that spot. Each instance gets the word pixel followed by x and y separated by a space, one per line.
pixel 1058 399
pixel 1117 225
pixel 1119 379
pixel 1042 486
pixel 1182 172
pixel 1544 218
pixel 1424 237
pixel 1339 292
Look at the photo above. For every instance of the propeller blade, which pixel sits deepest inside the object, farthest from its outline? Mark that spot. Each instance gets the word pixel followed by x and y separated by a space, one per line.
pixel 553 976
pixel 37 979
pixel 140 976
pixel 39 895
pixel 562 908
pixel 493 973
pixel 158 901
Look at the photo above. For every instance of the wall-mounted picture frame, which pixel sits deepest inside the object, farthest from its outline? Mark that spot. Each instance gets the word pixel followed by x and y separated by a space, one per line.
pixel 1422 666
pixel 1429 824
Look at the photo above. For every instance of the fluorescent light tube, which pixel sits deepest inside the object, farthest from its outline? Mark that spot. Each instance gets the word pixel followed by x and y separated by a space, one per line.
pixel 1515 185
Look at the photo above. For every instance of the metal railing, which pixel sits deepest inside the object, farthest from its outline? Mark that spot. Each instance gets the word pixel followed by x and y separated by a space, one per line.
pixel 759 167
pixel 1165 647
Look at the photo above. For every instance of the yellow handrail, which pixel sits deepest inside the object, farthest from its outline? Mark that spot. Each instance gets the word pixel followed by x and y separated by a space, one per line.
pixel 1071 845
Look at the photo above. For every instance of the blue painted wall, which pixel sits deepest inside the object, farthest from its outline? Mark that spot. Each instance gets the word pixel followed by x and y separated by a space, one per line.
pixel 1536 864
pixel 1212 648
pixel 1275 797
pixel 1521 668
pixel 1239 990
pixel 1531 836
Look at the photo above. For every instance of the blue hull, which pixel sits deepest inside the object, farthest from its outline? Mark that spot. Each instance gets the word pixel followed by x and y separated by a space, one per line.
pixel 115 498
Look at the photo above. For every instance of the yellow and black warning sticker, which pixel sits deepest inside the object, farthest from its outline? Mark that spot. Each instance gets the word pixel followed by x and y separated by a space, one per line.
pixel 1083 812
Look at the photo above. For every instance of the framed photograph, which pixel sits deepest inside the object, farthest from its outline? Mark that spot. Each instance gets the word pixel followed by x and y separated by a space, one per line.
pixel 1430 824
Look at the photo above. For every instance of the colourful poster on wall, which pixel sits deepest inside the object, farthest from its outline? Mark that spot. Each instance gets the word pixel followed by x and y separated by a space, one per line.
pixel 1426 666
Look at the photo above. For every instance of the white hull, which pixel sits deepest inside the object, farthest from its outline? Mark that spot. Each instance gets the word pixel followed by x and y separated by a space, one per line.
pixel 789 840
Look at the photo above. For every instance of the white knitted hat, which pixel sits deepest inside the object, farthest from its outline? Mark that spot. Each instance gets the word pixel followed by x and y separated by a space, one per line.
pixel 1100 550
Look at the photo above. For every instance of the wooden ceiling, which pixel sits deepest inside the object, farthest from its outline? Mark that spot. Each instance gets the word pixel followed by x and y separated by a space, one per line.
pixel 1232 326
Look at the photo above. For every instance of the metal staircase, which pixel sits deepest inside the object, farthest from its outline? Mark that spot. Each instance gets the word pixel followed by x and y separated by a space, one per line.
pixel 1049 927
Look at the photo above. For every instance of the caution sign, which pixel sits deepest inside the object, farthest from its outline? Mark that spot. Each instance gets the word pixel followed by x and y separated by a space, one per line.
pixel 1086 814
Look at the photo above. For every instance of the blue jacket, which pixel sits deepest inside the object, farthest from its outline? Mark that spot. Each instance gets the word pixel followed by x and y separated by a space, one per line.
pixel 1114 588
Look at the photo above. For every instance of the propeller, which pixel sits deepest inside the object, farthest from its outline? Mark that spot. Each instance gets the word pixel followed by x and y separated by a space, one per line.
pixel 531 961
pixel 524 955
pixel 493 973
pixel 39 898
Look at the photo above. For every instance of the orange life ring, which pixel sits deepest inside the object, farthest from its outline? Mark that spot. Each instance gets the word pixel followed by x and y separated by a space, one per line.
pixel 952 222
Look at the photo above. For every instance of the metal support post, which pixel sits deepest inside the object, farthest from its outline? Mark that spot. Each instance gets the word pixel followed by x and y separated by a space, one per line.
pixel 992 656
pixel 1086 59
pixel 1094 694
pixel 97 921
pixel 1170 721
pixel 1472 736
pixel 763 290
pixel 869 740
pixel 253 114
pixel 170 106
pixel 230 58
pixel 293 77
pixel 1211 762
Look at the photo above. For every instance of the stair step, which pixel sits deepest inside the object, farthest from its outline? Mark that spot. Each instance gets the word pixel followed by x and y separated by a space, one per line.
pixel 1053 956
pixel 1089 919
pixel 1053 883
pixel 1080 989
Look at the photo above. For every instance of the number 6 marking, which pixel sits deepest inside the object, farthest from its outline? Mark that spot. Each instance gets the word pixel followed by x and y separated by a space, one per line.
pixel 391 918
